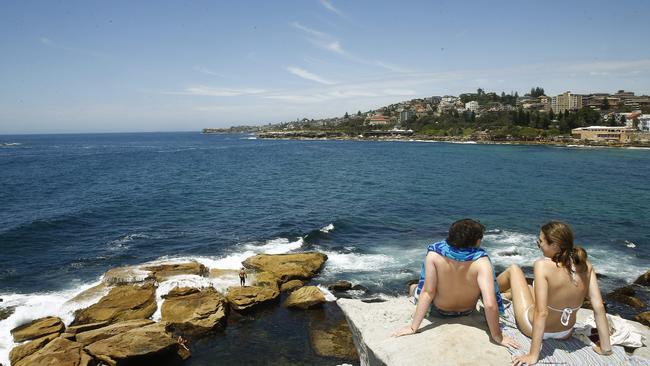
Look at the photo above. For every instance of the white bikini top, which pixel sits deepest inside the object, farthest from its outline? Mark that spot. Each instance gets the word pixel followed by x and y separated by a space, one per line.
pixel 566 312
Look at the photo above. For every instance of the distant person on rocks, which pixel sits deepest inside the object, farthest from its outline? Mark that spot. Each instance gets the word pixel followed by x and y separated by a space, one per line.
pixel 563 279
pixel 455 273
pixel 242 276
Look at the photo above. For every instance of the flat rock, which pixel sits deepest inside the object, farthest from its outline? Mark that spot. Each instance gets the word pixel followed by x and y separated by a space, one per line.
pixel 148 345
pixel 126 275
pixel 644 279
pixel 218 272
pixel 286 267
pixel 249 297
pixel 85 327
pixel 125 302
pixel 6 312
pixel 90 294
pixel 194 311
pixel 38 328
pixel 443 342
pixel 26 349
pixel 265 279
pixel 305 298
pixel 59 352
pixel 95 335
pixel 292 285
pixel 334 342
pixel 340 286
pixel 163 271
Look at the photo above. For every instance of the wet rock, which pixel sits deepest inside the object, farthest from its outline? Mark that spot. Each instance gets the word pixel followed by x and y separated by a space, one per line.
pixel 643 318
pixel 305 298
pixel 90 294
pixel 6 312
pixel 126 275
pixel 217 272
pixel 38 328
pixel 249 297
pixel 334 342
pixel 95 335
pixel 360 288
pixel 626 295
pixel 340 286
pixel 59 352
pixel 163 271
pixel 266 279
pixel 149 345
pixel 291 285
pixel 29 348
pixel 643 280
pixel 124 302
pixel 194 311
pixel 286 267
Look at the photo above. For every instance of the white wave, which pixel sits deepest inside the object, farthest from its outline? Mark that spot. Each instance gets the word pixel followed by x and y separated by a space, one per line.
pixel 353 262
pixel 29 307
pixel 124 241
pixel 277 246
pixel 629 244
pixel 327 228
pixel 328 295
pixel 9 144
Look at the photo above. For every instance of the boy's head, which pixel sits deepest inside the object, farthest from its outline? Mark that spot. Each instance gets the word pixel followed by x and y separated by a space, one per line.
pixel 465 233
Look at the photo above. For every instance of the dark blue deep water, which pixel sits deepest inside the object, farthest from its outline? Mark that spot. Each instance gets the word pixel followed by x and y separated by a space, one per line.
pixel 73 206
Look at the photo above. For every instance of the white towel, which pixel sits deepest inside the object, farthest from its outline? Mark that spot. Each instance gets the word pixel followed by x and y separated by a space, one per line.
pixel 621 333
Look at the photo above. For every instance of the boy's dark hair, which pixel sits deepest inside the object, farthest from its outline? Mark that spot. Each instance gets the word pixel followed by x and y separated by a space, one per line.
pixel 465 233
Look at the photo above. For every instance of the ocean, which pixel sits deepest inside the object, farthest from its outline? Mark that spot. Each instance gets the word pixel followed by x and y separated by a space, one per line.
pixel 74 206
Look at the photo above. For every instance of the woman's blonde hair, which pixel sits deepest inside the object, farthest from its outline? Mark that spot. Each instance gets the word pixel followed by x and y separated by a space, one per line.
pixel 573 258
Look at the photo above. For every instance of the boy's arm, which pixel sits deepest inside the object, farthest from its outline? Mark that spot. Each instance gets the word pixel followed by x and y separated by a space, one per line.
pixel 486 285
pixel 426 297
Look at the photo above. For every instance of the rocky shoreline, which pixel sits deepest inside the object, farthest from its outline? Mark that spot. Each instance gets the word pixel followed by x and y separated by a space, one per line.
pixel 326 135
pixel 131 319
pixel 118 329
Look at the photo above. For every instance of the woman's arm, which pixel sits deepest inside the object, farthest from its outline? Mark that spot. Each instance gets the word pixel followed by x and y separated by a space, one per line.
pixel 426 296
pixel 539 319
pixel 599 314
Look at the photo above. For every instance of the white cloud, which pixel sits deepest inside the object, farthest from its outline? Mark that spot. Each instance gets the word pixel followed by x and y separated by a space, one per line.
pixel 311 31
pixel 328 5
pixel 220 92
pixel 302 73
pixel 207 71
pixel 54 45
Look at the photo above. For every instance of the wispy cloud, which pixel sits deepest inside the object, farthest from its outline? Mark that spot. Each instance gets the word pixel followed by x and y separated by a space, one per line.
pixel 204 70
pixel 55 45
pixel 220 92
pixel 329 6
pixel 302 73
pixel 329 43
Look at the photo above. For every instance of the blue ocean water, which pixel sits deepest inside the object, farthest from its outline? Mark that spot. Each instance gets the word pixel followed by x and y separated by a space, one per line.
pixel 74 206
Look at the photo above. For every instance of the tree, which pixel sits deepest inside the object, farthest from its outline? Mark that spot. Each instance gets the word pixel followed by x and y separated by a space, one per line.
pixel 611 121
pixel 359 114
pixel 536 92
pixel 622 120
pixel 346 116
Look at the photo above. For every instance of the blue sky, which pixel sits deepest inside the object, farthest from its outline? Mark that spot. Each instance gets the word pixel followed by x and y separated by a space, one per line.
pixel 90 66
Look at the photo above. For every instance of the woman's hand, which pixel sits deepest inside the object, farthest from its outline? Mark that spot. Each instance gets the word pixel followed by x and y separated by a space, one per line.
pixel 528 359
pixel 403 331
pixel 598 350
pixel 508 342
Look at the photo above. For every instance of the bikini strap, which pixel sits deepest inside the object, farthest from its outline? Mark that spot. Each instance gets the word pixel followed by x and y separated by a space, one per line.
pixel 566 314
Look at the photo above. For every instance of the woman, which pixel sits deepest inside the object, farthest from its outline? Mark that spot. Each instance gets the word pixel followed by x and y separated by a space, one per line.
pixel 563 279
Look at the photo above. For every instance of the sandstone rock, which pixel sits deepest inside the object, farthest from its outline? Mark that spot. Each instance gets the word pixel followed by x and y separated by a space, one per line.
pixel 26 349
pixel 249 297
pixel 90 294
pixel 644 279
pixel 334 342
pixel 149 345
pixel 266 279
pixel 126 275
pixel 626 295
pixel 643 318
pixel 217 272
pixel 305 298
pixel 164 271
pixel 194 311
pixel 6 312
pixel 340 286
pixel 59 352
pixel 287 267
pixel 124 302
pixel 38 328
pixel 85 327
pixel 95 335
pixel 291 285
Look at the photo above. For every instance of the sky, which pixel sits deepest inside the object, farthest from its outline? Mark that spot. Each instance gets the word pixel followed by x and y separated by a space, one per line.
pixel 131 66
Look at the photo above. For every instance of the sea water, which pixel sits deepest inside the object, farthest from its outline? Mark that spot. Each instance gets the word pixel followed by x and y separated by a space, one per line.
pixel 74 206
